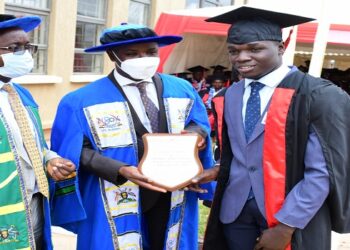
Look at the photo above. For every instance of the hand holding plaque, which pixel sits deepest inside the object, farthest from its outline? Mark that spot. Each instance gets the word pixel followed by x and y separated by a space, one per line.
pixel 170 160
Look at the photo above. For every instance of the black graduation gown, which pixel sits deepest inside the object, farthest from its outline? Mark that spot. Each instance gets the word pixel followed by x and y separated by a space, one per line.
pixel 324 106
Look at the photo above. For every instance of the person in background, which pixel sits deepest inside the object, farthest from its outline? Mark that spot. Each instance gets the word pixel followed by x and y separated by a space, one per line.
pixel 24 157
pixel 199 81
pixel 217 108
pixel 184 75
pixel 215 99
pixel 111 205
pixel 218 69
pixel 218 81
pixel 217 85
pixel 283 180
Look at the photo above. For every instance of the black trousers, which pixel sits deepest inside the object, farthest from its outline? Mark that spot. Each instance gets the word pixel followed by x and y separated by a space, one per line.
pixel 242 233
pixel 36 207
pixel 156 219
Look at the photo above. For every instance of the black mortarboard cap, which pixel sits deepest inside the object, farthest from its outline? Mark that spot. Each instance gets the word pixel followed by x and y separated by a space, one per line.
pixel 197 68
pixel 218 67
pixel 253 24
pixel 218 76
pixel 182 74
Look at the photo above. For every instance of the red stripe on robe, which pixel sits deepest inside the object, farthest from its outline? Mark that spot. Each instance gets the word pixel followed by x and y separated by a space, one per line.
pixel 219 108
pixel 274 156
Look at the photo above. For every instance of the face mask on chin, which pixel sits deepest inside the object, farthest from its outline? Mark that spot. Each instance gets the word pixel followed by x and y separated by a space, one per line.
pixel 16 65
pixel 139 68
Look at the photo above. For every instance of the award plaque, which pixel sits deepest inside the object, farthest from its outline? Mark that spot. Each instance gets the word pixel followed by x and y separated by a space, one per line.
pixel 170 160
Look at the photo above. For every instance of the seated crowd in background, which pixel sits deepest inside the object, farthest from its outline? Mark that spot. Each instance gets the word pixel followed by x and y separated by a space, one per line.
pixel 211 88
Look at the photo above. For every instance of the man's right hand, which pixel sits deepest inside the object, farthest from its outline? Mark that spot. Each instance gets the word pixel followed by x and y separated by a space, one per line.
pixel 60 169
pixel 206 176
pixel 134 175
pixel 275 238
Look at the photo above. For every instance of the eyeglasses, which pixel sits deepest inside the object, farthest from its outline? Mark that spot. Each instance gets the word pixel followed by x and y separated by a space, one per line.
pixel 20 49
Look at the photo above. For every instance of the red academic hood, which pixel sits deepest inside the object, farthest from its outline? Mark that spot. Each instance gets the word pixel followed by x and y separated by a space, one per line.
pixel 177 24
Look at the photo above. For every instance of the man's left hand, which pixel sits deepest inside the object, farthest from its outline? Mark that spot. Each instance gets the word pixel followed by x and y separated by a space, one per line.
pixel 60 169
pixel 201 144
pixel 275 238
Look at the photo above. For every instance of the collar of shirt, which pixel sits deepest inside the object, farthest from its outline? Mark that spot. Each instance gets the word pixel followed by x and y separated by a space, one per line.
pixel 3 83
pixel 123 81
pixel 272 79
pixel 28 171
pixel 133 95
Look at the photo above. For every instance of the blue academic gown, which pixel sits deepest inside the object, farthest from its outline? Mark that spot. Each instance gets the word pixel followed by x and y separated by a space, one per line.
pixel 85 204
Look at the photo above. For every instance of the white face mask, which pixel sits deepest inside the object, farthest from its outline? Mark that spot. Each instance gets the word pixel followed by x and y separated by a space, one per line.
pixel 139 68
pixel 16 65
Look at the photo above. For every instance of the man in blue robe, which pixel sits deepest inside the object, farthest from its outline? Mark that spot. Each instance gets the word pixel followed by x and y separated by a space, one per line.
pixel 110 204
pixel 25 160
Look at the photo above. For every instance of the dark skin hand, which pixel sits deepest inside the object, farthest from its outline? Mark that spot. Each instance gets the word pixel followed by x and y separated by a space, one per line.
pixel 275 238
pixel 60 169
pixel 206 176
pixel 195 185
pixel 134 175
pixel 201 144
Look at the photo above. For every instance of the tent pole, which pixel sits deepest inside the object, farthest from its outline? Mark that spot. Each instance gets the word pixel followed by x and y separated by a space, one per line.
pixel 320 42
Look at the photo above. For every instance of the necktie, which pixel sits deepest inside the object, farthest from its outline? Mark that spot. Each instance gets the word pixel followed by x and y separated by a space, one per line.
pixel 252 114
pixel 28 139
pixel 151 109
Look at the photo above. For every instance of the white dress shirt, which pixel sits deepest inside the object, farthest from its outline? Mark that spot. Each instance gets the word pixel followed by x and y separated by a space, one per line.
pixel 133 94
pixel 270 81
pixel 26 166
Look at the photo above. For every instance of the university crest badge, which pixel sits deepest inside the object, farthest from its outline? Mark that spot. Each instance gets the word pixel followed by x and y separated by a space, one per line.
pixel 8 234
pixel 124 195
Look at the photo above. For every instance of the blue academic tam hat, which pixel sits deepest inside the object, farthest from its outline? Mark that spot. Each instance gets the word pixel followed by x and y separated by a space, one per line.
pixel 126 34
pixel 26 23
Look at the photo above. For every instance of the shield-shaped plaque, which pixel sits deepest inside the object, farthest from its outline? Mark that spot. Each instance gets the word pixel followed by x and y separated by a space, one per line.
pixel 170 160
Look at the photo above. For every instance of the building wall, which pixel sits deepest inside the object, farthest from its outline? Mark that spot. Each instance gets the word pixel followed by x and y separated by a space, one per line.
pixel 60 79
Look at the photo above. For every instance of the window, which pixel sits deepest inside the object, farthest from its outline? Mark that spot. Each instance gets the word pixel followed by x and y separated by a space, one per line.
pixel 225 2
pixel 192 4
pixel 139 11
pixel 90 23
pixel 42 4
pixel 39 35
pixel 209 4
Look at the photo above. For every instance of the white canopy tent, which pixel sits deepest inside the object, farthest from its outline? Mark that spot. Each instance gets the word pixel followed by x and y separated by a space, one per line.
pixel 205 43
